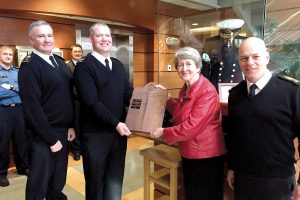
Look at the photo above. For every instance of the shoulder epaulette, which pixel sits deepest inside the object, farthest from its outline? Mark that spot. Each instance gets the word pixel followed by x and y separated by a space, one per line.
pixel 115 59
pixel 15 67
pixel 27 58
pixel 290 79
pixel 236 86
pixel 81 59
pixel 59 57
pixel 112 58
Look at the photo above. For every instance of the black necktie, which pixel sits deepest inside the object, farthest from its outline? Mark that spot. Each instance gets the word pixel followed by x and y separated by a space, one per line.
pixel 55 65
pixel 107 63
pixel 252 89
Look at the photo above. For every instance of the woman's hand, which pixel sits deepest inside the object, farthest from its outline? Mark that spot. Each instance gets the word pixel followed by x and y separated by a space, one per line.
pixel 157 133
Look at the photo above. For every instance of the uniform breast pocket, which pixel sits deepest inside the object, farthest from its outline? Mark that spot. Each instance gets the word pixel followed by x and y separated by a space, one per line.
pixel 3 78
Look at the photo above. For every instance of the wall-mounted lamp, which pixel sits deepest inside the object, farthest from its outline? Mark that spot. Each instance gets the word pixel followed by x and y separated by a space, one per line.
pixel 172 41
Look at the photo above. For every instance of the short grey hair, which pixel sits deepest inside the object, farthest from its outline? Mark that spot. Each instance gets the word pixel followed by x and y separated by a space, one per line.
pixel 92 28
pixel 188 53
pixel 35 24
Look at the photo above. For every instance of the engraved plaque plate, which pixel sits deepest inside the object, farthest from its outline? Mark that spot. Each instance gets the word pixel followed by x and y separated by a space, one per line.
pixel 147 108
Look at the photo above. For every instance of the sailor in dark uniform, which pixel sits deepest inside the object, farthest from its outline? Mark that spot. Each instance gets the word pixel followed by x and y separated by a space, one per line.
pixel 223 51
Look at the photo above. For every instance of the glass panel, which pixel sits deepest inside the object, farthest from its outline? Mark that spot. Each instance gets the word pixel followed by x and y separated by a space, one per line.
pixel 215 28
pixel 282 36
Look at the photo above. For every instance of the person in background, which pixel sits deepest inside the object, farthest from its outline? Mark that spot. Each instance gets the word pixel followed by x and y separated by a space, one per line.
pixel 197 129
pixel 46 92
pixel 264 116
pixel 76 53
pixel 11 117
pixel 104 91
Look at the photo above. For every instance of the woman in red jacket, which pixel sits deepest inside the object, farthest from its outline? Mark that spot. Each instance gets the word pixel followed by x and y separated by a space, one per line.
pixel 197 129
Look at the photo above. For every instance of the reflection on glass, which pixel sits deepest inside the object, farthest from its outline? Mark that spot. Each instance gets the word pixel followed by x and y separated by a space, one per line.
pixel 282 36
pixel 215 30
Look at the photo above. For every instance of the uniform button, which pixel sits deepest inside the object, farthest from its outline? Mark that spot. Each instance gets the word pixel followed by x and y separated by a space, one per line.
pixel 233 70
pixel 221 63
pixel 231 81
pixel 220 80
pixel 220 74
pixel 233 64
pixel 232 76
pixel 220 68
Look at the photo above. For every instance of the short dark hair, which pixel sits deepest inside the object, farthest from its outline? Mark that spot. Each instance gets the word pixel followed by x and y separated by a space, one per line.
pixel 76 45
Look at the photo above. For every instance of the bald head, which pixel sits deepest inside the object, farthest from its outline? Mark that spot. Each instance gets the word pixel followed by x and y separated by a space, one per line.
pixel 253 58
pixel 255 42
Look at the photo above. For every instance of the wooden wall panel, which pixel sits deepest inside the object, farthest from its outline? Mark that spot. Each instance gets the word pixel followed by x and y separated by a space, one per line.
pixel 169 25
pixel 164 60
pixel 161 46
pixel 143 42
pixel 15 32
pixel 170 80
pixel 143 62
pixel 135 12
pixel 143 58
pixel 140 79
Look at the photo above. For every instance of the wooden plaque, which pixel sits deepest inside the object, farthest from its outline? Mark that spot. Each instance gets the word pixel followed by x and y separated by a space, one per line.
pixel 147 108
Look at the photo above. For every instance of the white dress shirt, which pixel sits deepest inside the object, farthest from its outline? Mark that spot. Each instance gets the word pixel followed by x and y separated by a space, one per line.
pixel 102 59
pixel 261 83
pixel 44 56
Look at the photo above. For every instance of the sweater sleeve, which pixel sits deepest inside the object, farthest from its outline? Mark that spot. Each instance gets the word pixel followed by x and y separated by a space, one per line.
pixel 203 110
pixel 88 93
pixel 30 91
pixel 297 113
pixel 230 135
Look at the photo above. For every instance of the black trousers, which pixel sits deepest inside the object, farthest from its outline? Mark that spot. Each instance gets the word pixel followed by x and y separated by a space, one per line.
pixel 103 163
pixel 48 170
pixel 203 178
pixel 75 146
pixel 247 187
pixel 12 128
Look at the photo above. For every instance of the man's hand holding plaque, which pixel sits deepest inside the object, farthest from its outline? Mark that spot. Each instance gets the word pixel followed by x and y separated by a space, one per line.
pixel 123 129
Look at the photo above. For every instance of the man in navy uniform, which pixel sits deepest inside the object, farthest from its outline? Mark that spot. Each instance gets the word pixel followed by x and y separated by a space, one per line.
pixel 104 91
pixel 11 117
pixel 47 93
pixel 264 116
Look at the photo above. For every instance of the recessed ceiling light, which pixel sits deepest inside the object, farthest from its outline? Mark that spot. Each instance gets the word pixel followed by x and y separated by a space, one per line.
pixel 195 24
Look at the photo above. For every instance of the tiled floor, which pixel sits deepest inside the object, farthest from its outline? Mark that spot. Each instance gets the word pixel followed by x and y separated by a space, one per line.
pixel 74 189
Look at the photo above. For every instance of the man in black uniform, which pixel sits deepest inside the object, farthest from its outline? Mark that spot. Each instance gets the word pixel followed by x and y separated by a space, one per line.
pixel 104 90
pixel 76 53
pixel 46 92
pixel 264 116
pixel 11 117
